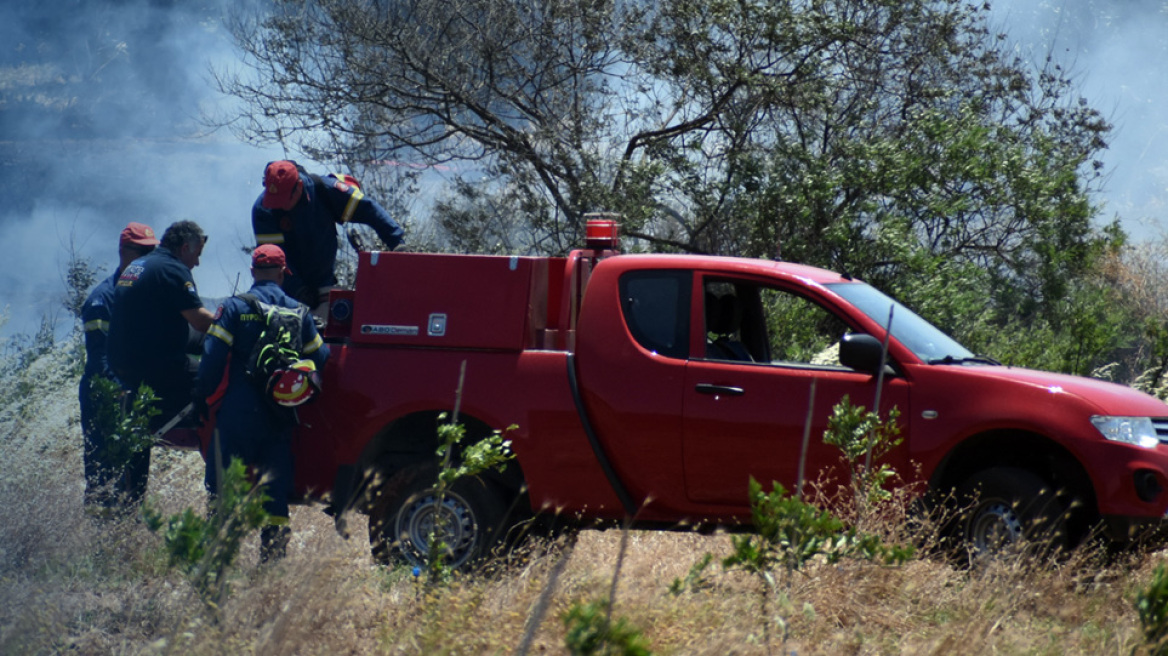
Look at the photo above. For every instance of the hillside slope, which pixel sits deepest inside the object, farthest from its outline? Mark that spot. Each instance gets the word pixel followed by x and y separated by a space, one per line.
pixel 79 585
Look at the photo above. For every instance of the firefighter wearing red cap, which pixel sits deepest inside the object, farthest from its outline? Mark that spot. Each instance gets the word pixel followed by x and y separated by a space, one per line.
pixel 300 212
pixel 250 427
pixel 101 475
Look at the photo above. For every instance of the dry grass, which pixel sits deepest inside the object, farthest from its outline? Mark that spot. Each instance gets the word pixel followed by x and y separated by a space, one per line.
pixel 73 585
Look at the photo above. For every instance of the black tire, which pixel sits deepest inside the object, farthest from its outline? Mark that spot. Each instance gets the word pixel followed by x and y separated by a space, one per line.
pixel 407 511
pixel 1007 509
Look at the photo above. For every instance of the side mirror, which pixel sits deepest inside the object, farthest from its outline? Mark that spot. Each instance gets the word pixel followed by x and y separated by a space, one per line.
pixel 861 352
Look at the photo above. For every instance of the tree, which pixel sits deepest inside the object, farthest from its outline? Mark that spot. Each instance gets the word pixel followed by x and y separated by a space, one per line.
pixel 883 138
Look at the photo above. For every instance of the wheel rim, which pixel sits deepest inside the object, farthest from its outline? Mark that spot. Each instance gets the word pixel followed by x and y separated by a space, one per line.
pixel 451 522
pixel 995 526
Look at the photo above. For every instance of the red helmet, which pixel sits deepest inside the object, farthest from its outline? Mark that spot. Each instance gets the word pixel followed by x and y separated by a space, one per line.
pixel 295 385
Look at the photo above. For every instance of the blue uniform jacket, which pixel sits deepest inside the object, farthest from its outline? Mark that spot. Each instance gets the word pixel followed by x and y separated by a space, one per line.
pixel 235 332
pixel 95 320
pixel 247 427
pixel 148 334
pixel 308 232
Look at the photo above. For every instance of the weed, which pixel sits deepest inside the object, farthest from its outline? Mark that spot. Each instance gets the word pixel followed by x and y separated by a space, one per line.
pixel 206 548
pixel 862 436
pixel 491 452
pixel 123 419
pixel 1152 606
pixel 695 579
pixel 592 630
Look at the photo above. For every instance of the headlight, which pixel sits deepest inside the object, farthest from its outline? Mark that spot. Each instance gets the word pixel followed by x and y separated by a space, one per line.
pixel 1129 430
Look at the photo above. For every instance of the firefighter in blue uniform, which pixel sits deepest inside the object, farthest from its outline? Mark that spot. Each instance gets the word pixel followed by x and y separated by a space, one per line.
pixel 300 212
pixel 155 307
pixel 250 426
pixel 101 475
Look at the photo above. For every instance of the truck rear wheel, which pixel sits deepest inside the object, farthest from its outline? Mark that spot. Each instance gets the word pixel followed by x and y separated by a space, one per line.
pixel 1008 508
pixel 467 517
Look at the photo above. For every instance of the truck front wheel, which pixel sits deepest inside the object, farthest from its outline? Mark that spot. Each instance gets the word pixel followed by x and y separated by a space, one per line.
pixel 1006 508
pixel 411 512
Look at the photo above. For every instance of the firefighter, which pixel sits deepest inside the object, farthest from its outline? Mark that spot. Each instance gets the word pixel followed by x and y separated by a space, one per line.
pixel 155 307
pixel 299 212
pixel 251 426
pixel 136 240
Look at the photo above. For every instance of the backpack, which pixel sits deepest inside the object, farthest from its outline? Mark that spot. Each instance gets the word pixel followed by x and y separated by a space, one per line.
pixel 278 349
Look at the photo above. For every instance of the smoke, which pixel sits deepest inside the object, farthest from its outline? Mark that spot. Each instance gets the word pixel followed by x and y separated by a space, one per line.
pixel 100 101
pixel 1118 53
pixel 100 106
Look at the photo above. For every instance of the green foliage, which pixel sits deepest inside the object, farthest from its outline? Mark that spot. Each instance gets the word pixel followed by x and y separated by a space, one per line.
pixel 898 141
pixel 1090 327
pixel 80 276
pixel 1152 606
pixel 34 366
pixel 799 330
pixel 863 437
pixel 857 431
pixel 592 630
pixel 491 452
pixel 695 579
pixel 789 532
pixel 26 349
pixel 123 418
pixel 206 548
pixel 1154 380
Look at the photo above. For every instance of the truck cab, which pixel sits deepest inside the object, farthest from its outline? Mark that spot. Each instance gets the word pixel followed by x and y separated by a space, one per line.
pixel 652 388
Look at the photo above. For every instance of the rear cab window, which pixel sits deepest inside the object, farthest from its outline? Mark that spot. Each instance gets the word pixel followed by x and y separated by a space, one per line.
pixel 656 306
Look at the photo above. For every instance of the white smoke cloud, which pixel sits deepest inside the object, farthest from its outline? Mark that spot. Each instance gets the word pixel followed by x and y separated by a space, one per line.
pixel 99 109
pixel 99 104
pixel 1118 52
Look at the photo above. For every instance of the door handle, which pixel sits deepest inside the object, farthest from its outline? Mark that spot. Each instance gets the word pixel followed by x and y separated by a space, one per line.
pixel 728 390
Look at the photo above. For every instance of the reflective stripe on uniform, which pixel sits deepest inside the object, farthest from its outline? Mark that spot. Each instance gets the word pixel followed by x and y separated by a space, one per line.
pixel 222 333
pixel 276 238
pixel 351 206
pixel 97 324
pixel 313 346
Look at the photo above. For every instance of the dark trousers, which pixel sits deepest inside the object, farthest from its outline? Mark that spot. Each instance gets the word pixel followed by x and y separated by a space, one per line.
pixel 268 458
pixel 172 385
pixel 100 472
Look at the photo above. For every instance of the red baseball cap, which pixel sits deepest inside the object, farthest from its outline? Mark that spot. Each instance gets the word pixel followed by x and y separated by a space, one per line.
pixel 138 234
pixel 269 256
pixel 282 186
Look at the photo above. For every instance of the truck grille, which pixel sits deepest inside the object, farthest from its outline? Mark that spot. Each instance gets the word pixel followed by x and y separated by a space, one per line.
pixel 1161 426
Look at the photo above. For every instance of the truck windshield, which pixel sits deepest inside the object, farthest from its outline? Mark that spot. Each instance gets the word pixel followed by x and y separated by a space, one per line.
pixel 921 337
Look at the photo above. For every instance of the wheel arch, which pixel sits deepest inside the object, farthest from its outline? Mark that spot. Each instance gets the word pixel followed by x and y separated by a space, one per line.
pixel 1030 451
pixel 412 440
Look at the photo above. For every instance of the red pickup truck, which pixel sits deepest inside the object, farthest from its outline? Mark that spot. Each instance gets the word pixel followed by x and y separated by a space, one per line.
pixel 653 387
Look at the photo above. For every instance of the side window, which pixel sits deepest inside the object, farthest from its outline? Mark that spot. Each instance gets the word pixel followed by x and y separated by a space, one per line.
pixel 749 322
pixel 656 307
pixel 800 331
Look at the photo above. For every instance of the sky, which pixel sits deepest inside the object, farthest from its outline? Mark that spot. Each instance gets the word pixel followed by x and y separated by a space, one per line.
pixel 134 150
